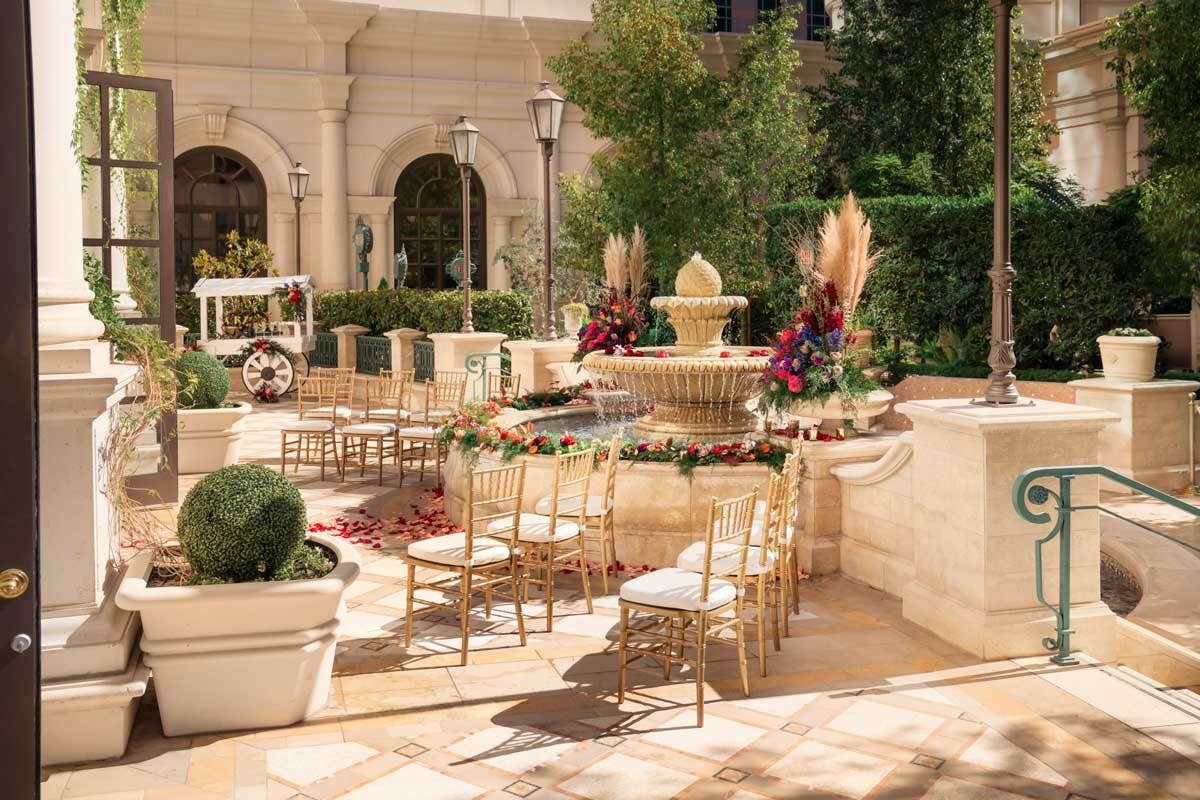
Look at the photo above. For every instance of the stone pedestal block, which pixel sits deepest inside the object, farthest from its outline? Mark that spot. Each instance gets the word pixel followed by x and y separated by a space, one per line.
pixel 1150 441
pixel 531 359
pixel 450 351
pixel 973 556
pixel 402 347
pixel 348 344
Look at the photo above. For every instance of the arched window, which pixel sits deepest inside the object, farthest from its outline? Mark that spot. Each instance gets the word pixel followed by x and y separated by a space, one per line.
pixel 217 191
pixel 429 222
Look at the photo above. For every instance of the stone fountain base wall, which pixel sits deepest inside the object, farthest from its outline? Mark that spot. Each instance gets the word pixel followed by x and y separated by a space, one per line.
pixel 658 511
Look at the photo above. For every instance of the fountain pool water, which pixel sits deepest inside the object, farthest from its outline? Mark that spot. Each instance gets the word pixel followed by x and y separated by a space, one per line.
pixel 699 390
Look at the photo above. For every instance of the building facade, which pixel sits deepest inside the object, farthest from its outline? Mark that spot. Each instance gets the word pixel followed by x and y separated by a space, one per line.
pixel 363 93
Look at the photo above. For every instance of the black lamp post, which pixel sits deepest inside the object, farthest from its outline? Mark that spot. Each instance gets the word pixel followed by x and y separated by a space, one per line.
pixel 1002 357
pixel 464 137
pixel 298 184
pixel 545 116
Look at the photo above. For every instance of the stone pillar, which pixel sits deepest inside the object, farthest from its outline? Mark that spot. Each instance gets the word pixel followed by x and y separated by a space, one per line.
pixel 336 270
pixel 348 344
pixel 973 556
pixel 282 235
pixel 1150 441
pixel 531 357
pixel 498 277
pixel 381 252
pixel 1114 175
pixel 402 347
pixel 450 350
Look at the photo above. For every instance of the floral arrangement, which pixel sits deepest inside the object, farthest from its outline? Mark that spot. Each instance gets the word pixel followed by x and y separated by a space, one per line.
pixel 619 321
pixel 472 431
pixel 265 394
pixel 263 346
pixel 293 296
pixel 809 362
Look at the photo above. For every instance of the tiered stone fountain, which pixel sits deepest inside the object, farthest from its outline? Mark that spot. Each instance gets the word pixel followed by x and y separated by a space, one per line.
pixel 702 390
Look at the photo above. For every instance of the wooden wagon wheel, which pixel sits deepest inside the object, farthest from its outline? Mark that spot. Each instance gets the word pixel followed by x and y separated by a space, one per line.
pixel 303 367
pixel 268 368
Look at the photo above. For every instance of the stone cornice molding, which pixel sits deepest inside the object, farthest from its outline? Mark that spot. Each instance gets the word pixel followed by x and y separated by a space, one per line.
pixel 334 22
pixel 865 474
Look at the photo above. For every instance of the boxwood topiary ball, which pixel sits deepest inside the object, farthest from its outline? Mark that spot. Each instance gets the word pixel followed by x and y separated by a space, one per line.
pixel 241 523
pixel 210 386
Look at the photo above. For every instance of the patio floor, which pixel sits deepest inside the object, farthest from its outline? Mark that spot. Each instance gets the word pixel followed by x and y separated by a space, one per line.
pixel 859 703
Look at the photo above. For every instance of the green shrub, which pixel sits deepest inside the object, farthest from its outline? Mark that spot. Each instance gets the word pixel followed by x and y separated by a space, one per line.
pixel 203 381
pixel 887 175
pixel 242 523
pixel 383 310
pixel 1080 271
pixel 983 371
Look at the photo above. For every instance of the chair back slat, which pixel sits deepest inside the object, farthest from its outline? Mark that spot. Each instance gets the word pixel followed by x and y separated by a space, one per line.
pixel 320 392
pixel 610 468
pixel 494 494
pixel 572 479
pixel 445 394
pixel 340 373
pixel 503 387
pixel 729 522
pixel 393 392
pixel 775 519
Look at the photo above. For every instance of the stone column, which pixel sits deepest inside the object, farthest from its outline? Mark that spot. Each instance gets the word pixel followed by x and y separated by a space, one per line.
pixel 973 556
pixel 348 344
pixel 381 252
pixel 282 235
pixel 1115 174
pixel 402 347
pixel 336 270
pixel 498 277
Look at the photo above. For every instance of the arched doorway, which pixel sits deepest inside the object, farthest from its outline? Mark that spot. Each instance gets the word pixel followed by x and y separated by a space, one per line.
pixel 429 221
pixel 217 190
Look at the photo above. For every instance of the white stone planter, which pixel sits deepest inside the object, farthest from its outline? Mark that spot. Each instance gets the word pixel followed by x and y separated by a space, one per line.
pixel 244 655
pixel 831 412
pixel 1128 359
pixel 210 438
pixel 572 322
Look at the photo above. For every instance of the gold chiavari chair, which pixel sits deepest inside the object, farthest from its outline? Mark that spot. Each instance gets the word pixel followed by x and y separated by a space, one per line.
pixel 502 387
pixel 389 398
pixel 444 395
pixel 483 558
pixel 553 542
pixel 314 432
pixel 689 609
pixel 324 396
pixel 418 441
pixel 763 584
pixel 598 537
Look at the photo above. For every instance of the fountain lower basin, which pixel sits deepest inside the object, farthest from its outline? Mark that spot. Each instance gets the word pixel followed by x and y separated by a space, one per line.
pixel 697 396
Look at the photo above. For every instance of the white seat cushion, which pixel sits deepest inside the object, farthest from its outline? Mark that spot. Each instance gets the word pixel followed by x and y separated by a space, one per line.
pixel 451 550
pixel 596 505
pixel 677 588
pixel 417 432
pixel 329 411
pixel 725 556
pixel 371 428
pixel 536 528
pixel 394 414
pixel 432 416
pixel 308 426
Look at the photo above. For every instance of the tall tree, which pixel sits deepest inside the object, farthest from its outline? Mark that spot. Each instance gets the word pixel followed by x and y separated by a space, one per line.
pixel 916 78
pixel 1157 49
pixel 694 157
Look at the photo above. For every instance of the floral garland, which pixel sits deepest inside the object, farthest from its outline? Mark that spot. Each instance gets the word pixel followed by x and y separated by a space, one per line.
pixel 293 295
pixel 265 394
pixel 264 346
pixel 473 432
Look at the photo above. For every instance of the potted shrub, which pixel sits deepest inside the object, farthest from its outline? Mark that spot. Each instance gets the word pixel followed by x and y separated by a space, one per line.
pixel 243 636
pixel 1128 354
pixel 210 429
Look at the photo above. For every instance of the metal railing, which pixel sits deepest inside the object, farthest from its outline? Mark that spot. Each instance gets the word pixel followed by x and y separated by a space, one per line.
pixel 1025 491
pixel 423 359
pixel 477 366
pixel 326 352
pixel 372 354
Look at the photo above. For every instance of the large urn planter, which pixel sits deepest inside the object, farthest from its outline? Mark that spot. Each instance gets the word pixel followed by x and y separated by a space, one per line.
pixel 1128 359
pixel 832 413
pixel 240 656
pixel 210 438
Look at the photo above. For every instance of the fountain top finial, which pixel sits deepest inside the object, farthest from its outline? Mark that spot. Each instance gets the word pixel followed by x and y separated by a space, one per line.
pixel 697 278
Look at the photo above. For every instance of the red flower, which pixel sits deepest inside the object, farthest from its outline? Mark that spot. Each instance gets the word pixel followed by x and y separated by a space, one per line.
pixel 662 354
pixel 567 440
pixel 724 354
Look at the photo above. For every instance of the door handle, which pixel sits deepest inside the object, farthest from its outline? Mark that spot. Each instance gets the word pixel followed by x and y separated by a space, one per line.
pixel 13 583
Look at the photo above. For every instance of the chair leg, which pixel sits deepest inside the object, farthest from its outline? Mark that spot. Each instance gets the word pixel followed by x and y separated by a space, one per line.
pixel 282 453
pixel 465 613
pixel 669 647
pixel 408 614
pixel 701 639
pixel 760 618
pixel 550 587
pixel 776 600
pixel 603 558
pixel 379 453
pixel 792 576
pixel 583 573
pixel 516 590
pixel 622 648
pixel 740 628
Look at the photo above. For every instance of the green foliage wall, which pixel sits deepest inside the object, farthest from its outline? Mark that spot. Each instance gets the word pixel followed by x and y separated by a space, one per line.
pixel 1080 271
pixel 383 310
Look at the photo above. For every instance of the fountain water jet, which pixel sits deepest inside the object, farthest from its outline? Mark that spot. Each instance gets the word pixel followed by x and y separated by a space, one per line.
pixel 697 393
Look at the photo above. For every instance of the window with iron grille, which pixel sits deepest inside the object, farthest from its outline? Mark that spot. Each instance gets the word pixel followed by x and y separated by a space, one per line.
pixel 723 23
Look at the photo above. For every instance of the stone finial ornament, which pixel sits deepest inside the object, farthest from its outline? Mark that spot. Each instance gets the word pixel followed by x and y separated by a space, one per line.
pixel 697 278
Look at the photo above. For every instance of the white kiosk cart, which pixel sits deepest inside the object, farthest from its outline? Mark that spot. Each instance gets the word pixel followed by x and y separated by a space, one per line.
pixel 268 367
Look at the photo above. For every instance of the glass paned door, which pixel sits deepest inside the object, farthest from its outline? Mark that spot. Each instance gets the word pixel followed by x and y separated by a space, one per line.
pixel 129 223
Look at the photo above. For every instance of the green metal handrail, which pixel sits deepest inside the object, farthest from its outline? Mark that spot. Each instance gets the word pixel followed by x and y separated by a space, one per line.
pixel 477 364
pixel 1025 491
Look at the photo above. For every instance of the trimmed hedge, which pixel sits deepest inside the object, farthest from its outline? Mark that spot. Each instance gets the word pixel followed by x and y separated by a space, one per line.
pixel 383 310
pixel 203 380
pixel 1080 271
pixel 983 371
pixel 242 523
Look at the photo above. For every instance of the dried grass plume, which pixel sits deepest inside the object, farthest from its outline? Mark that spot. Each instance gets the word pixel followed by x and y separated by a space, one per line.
pixel 845 255
pixel 616 262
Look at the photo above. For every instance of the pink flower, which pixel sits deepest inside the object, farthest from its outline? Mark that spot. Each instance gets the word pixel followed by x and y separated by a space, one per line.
pixel 795 384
